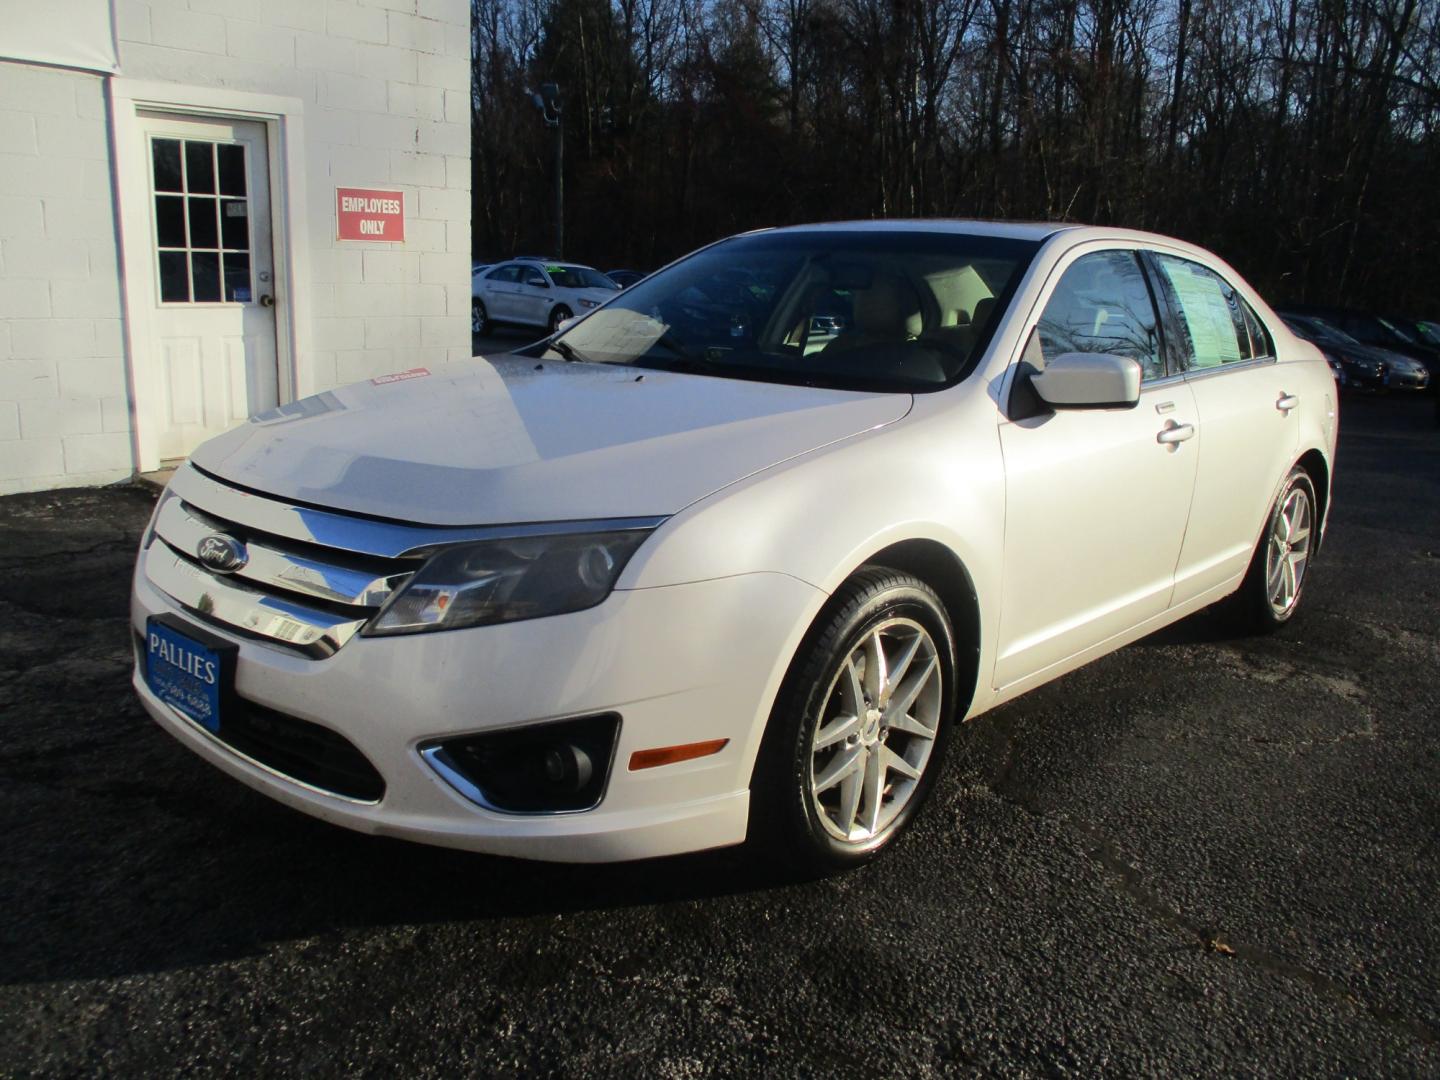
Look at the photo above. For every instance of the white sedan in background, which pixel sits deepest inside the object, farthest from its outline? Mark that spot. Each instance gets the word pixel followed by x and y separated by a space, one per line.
pixel 733 554
pixel 535 292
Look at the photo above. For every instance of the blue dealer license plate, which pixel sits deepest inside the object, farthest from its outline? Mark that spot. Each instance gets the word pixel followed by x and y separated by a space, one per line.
pixel 183 673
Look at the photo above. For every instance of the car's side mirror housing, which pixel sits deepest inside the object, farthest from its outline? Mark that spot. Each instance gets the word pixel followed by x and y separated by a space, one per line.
pixel 1078 380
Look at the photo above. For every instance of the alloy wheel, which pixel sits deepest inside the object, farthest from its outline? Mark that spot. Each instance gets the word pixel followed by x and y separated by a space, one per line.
pixel 1289 551
pixel 872 742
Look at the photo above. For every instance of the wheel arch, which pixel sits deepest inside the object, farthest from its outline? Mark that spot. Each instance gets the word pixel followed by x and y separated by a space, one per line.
pixel 1314 463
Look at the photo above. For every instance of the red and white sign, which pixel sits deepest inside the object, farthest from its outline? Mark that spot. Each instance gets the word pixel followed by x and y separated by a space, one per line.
pixel 366 214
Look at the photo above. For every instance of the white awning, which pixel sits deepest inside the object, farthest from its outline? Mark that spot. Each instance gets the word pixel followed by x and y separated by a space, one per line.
pixel 69 33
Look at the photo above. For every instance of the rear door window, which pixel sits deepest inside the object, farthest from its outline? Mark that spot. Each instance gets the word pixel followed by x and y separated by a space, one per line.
pixel 1211 323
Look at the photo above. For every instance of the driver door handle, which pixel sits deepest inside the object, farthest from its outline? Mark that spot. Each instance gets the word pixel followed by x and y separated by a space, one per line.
pixel 1173 433
pixel 1287 402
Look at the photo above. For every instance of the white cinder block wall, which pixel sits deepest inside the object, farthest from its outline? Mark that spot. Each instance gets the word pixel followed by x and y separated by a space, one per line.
pixel 64 410
pixel 386 103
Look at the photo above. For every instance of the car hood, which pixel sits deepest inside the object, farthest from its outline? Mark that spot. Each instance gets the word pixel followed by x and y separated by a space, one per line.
pixel 513 440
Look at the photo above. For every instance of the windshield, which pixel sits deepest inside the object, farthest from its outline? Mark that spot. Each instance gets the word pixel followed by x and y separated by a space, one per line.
pixel 1396 331
pixel 579 277
pixel 1319 330
pixel 894 310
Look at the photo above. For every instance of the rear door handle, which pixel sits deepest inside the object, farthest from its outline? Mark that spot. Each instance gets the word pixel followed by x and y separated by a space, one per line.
pixel 1173 433
pixel 1287 402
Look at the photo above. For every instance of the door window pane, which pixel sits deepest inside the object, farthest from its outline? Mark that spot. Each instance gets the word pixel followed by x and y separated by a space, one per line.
pixel 174 277
pixel 200 167
pixel 1102 305
pixel 1211 325
pixel 232 169
pixel 165 153
pixel 170 221
pixel 237 277
pixel 205 274
pixel 235 224
pixel 203 233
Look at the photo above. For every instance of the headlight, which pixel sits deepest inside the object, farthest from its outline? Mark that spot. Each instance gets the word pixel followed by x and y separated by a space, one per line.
pixel 500 581
pixel 589 303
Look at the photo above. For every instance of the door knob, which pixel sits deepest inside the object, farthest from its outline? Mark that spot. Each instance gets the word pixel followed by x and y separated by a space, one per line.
pixel 266 300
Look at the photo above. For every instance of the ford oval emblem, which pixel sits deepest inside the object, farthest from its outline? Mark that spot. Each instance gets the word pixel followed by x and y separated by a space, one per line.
pixel 221 553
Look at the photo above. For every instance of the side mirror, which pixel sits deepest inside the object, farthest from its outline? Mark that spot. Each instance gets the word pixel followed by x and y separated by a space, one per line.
pixel 1089 381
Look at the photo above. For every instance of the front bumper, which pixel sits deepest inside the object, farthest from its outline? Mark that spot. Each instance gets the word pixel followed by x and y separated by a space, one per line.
pixel 680 664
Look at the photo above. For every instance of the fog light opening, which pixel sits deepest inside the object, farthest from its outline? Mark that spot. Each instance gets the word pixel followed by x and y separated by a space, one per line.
pixel 568 766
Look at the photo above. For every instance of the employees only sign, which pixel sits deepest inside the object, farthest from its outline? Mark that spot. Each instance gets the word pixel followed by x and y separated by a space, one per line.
pixel 366 214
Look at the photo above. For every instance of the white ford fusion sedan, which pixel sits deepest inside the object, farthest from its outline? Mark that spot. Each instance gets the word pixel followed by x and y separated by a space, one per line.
pixel 733 554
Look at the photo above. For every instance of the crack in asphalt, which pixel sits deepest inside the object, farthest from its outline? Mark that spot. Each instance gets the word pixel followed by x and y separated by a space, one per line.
pixel 1104 853
pixel 125 543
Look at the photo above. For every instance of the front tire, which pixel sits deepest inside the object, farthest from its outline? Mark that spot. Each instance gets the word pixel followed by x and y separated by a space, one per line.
pixel 1270 594
pixel 479 318
pixel 557 316
pixel 859 728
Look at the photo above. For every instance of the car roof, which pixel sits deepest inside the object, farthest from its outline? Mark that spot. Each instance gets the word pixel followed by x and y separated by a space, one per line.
pixel 1014 230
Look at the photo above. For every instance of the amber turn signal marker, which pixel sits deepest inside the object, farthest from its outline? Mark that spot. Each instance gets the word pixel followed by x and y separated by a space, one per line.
pixel 668 755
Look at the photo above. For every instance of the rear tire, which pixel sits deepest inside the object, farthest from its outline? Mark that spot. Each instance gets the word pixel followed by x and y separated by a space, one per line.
pixel 1270 594
pixel 859 728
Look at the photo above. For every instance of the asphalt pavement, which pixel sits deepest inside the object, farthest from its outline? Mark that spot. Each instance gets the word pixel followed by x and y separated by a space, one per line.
pixel 1202 854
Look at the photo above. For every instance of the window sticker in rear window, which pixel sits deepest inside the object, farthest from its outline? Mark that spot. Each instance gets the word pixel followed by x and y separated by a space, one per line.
pixel 1212 330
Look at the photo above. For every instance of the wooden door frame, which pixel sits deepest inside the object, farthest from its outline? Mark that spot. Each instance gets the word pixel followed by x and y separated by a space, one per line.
pixel 284 138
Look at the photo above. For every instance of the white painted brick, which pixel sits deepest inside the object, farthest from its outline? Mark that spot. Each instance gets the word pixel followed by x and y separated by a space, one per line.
pixel 457 353
pixel 457 298
pixel 72 137
pixel 5 352
pixel 27 459
pixel 388 62
pixel 41 417
pixel 233 73
pixel 100 376
pixel 419 170
pixel 438 268
pixel 392 5
pixel 335 334
pixel 192 31
pixel 297 14
pixel 356 92
pixel 24 298
pixel 422 235
pixel 401 333
pixel 371 300
pixel 322 370
pixel 394 133
pixel 23 379
pixel 254 41
pixel 9 420
pixel 322 301
pixel 52 339
pixel 37 257
pixel 454 12
pixel 444 138
pixel 90 101
pixel 348 20
pixel 115 414
pixel 448 72
pixel 354 166
pixel 424 299
pixel 421 35
pixel 94 453
pixel 443 331
pixel 94 296
pixel 324 53
pixel 457 173
pixel 26 175
pixel 21 215
pixel 422 102
pixel 458 104
pixel 457 234
pixel 355 365
pixel 445 205
pixel 132 20
pixel 392 267
pixel 17 131
pixel 39 90
pixel 349 266
pixel 109 337
pixel 68 218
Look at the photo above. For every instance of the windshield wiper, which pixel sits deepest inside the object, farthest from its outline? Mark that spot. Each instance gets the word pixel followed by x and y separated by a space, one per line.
pixel 566 350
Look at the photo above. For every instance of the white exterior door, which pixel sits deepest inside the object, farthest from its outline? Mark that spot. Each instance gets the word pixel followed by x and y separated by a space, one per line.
pixel 210 357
